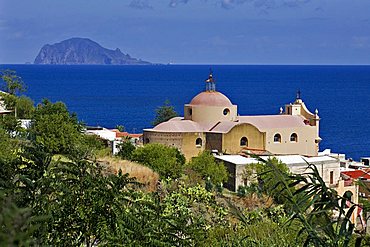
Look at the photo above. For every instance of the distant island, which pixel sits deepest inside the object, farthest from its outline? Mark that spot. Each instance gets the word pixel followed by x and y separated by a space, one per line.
pixel 83 51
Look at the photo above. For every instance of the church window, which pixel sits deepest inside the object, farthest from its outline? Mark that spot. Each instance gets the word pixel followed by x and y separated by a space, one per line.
pixel 198 142
pixel 244 141
pixel 277 138
pixel 293 137
pixel 226 111
pixel 190 111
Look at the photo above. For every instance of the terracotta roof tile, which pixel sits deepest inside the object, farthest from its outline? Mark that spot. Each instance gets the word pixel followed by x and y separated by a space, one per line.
pixel 357 174
pixel 120 134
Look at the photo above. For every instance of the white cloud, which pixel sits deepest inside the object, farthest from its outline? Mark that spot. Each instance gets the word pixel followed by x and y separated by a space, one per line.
pixel 174 3
pixel 266 4
pixel 140 4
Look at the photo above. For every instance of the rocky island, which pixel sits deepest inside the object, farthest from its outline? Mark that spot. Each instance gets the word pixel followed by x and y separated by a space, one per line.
pixel 83 51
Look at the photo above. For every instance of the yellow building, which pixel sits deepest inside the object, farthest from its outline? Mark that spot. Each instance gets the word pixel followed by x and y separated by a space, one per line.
pixel 212 122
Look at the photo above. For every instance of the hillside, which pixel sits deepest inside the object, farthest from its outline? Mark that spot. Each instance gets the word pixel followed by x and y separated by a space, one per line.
pixel 83 51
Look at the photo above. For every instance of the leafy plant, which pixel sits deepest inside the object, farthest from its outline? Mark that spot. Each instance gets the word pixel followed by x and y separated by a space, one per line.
pixel 55 128
pixel 24 107
pixel 16 226
pixel 126 148
pixel 13 82
pixel 207 167
pixel 313 205
pixel 167 161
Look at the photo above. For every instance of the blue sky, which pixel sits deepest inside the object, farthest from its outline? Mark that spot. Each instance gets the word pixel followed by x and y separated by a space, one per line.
pixel 194 31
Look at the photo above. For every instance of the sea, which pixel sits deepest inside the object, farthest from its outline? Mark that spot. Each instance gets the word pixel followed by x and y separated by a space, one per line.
pixel 129 95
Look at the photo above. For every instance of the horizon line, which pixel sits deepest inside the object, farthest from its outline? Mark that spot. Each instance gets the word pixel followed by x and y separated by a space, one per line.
pixel 201 64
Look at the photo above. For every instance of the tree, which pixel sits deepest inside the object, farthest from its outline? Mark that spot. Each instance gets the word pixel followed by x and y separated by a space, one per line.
pixel 8 100
pixel 121 128
pixel 13 82
pixel 164 113
pixel 24 107
pixel 205 164
pixel 55 128
pixel 11 124
pixel 167 161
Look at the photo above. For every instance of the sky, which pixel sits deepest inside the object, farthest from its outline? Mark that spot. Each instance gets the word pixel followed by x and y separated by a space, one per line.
pixel 194 31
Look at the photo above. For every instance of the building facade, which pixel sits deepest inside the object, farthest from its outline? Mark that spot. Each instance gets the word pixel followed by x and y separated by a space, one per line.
pixel 211 122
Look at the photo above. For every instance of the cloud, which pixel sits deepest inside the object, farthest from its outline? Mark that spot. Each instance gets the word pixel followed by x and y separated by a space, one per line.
pixel 174 3
pixel 265 4
pixel 140 4
pixel 226 4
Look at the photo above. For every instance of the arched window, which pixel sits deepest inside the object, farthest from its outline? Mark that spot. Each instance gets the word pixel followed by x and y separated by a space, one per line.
pixel 277 138
pixel 198 142
pixel 147 140
pixel 294 137
pixel 190 111
pixel 244 141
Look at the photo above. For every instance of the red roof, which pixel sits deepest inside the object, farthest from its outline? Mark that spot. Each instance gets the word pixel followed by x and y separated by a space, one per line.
pixel 125 134
pixel 357 174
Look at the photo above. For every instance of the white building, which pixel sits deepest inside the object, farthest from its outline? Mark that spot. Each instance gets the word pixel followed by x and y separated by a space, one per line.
pixel 328 167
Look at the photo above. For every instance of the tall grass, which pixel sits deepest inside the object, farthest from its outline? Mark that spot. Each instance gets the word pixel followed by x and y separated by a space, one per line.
pixel 143 174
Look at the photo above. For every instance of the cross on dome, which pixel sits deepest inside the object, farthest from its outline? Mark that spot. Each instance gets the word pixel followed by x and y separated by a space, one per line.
pixel 210 82
pixel 298 94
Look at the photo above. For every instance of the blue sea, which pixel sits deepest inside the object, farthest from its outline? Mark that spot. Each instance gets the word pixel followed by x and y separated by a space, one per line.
pixel 128 95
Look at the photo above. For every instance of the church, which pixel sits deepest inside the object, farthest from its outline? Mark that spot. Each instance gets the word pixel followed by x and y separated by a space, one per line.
pixel 211 122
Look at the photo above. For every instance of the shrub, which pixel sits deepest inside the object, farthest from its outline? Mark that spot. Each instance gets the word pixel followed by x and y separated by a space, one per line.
pixel 205 164
pixel 126 148
pixel 167 161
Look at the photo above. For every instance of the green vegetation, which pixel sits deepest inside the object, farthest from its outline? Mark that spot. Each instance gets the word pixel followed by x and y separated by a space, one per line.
pixel 164 113
pixel 206 166
pixel 55 129
pixel 24 107
pixel 53 192
pixel 126 148
pixel 167 161
pixel 312 205
pixel 13 83
pixel 121 128
pixel 267 182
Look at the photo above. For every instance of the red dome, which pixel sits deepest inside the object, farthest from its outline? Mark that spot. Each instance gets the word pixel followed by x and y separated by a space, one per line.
pixel 211 99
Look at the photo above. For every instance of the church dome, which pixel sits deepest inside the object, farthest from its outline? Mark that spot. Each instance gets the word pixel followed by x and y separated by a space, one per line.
pixel 211 98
